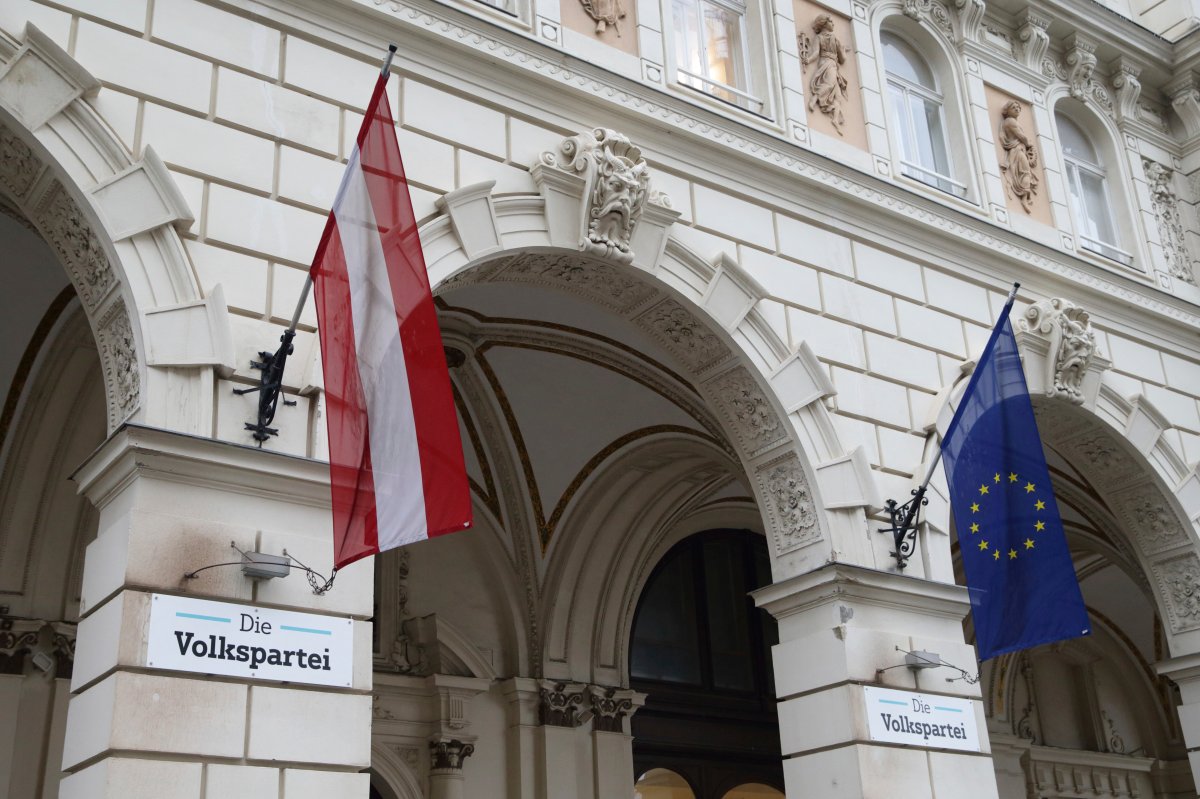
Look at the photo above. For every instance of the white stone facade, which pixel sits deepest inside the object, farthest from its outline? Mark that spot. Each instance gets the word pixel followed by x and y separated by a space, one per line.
pixel 772 348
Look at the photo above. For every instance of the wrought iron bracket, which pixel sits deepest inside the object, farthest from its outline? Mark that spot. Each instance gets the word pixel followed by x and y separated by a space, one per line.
pixel 270 382
pixel 905 519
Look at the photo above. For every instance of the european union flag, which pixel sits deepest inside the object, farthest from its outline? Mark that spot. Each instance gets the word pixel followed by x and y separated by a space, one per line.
pixel 1019 571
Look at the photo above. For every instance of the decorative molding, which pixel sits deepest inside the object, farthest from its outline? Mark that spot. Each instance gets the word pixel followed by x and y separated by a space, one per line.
pixel 1179 581
pixel 70 234
pixel 1150 519
pixel 19 167
pixel 449 755
pixel 561 704
pixel 1184 91
pixel 610 707
pixel 1072 345
pixel 596 280
pixel 793 513
pixel 970 19
pixel 1164 203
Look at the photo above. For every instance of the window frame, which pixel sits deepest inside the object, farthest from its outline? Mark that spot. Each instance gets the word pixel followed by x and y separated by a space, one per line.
pixel 751 98
pixel 945 183
pixel 1083 223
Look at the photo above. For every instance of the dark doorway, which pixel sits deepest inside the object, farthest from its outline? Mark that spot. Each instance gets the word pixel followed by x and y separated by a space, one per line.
pixel 701 651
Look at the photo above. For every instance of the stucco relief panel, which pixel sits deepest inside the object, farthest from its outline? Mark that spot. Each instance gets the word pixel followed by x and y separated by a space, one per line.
pixel 832 89
pixel 595 280
pixel 1179 583
pixel 610 22
pixel 749 412
pixel 684 335
pixel 790 513
pixel 1019 165
pixel 1150 519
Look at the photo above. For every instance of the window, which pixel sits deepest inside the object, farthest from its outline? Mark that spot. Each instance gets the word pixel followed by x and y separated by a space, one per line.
pixel 710 50
pixel 1088 187
pixel 700 649
pixel 918 117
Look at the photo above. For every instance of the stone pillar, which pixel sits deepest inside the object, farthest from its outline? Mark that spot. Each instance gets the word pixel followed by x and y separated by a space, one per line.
pixel 612 743
pixel 521 696
pixel 1184 671
pixel 842 627
pixel 170 504
pixel 445 768
pixel 561 708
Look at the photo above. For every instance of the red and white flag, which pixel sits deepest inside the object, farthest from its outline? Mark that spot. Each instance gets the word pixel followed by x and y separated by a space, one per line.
pixel 395 455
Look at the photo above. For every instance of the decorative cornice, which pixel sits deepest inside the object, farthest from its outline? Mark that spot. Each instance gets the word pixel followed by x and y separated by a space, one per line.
pixel 440 25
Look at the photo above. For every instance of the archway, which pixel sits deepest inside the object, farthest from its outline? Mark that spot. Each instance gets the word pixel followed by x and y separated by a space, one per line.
pixel 1094 713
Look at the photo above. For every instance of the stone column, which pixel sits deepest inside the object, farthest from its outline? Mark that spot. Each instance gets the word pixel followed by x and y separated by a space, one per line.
pixel 445 768
pixel 842 627
pixel 170 504
pixel 612 743
pixel 561 708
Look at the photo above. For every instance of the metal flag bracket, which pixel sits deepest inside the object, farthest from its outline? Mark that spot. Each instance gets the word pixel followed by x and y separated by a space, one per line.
pixel 905 518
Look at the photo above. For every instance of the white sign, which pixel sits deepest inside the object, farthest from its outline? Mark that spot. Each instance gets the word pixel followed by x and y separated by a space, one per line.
pixel 935 722
pixel 207 637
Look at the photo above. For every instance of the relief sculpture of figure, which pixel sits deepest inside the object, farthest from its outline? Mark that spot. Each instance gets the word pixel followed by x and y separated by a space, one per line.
pixel 827 89
pixel 1020 158
pixel 605 12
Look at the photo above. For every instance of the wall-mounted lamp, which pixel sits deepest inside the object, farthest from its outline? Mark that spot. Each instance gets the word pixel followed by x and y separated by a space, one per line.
pixel 921 659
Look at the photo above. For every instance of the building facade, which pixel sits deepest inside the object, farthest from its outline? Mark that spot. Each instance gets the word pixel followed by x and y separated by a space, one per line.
pixel 711 275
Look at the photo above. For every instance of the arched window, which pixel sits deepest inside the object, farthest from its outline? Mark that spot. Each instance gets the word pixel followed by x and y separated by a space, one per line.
pixel 700 650
pixel 1087 183
pixel 917 116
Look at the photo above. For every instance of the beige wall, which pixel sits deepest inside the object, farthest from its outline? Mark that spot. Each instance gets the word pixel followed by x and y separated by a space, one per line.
pixel 996 100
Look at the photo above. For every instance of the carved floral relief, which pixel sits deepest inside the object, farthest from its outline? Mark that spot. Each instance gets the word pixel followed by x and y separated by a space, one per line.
pixel 1165 205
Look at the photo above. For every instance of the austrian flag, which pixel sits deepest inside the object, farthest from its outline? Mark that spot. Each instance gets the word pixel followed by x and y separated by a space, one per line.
pixel 395 456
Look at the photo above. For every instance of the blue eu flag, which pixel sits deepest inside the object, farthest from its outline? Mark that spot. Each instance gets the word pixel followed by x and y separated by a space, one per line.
pixel 1019 571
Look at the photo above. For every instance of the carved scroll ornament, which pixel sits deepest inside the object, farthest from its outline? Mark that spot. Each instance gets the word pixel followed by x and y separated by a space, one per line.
pixel 617 183
pixel 1165 204
pixel 1072 344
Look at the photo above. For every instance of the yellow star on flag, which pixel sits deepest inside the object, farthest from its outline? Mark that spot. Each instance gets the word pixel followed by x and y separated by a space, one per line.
pixel 1028 487
pixel 1012 477
pixel 996 479
pixel 983 489
pixel 974 507
pixel 1039 505
pixel 975 527
pixel 996 554
pixel 1041 525
pixel 983 545
pixel 1029 543
pixel 1012 553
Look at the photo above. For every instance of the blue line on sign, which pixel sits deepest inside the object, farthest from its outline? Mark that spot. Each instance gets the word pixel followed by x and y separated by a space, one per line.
pixel 892 702
pixel 948 709
pixel 305 630
pixel 202 618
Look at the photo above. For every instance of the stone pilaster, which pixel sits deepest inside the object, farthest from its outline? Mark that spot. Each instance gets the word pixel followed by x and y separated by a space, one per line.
pixel 1184 671
pixel 843 627
pixel 170 504
pixel 612 744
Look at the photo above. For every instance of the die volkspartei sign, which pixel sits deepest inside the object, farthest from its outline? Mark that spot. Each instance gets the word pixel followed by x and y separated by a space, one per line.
pixel 207 637
pixel 926 720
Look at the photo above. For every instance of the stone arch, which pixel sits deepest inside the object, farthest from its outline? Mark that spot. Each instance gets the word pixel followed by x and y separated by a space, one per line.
pixel 1119 444
pixel 389 764
pixel 809 487
pixel 114 223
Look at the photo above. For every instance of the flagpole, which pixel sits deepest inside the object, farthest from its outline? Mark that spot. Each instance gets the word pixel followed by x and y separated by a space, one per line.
pixel 385 72
pixel 904 516
pixel 272 364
